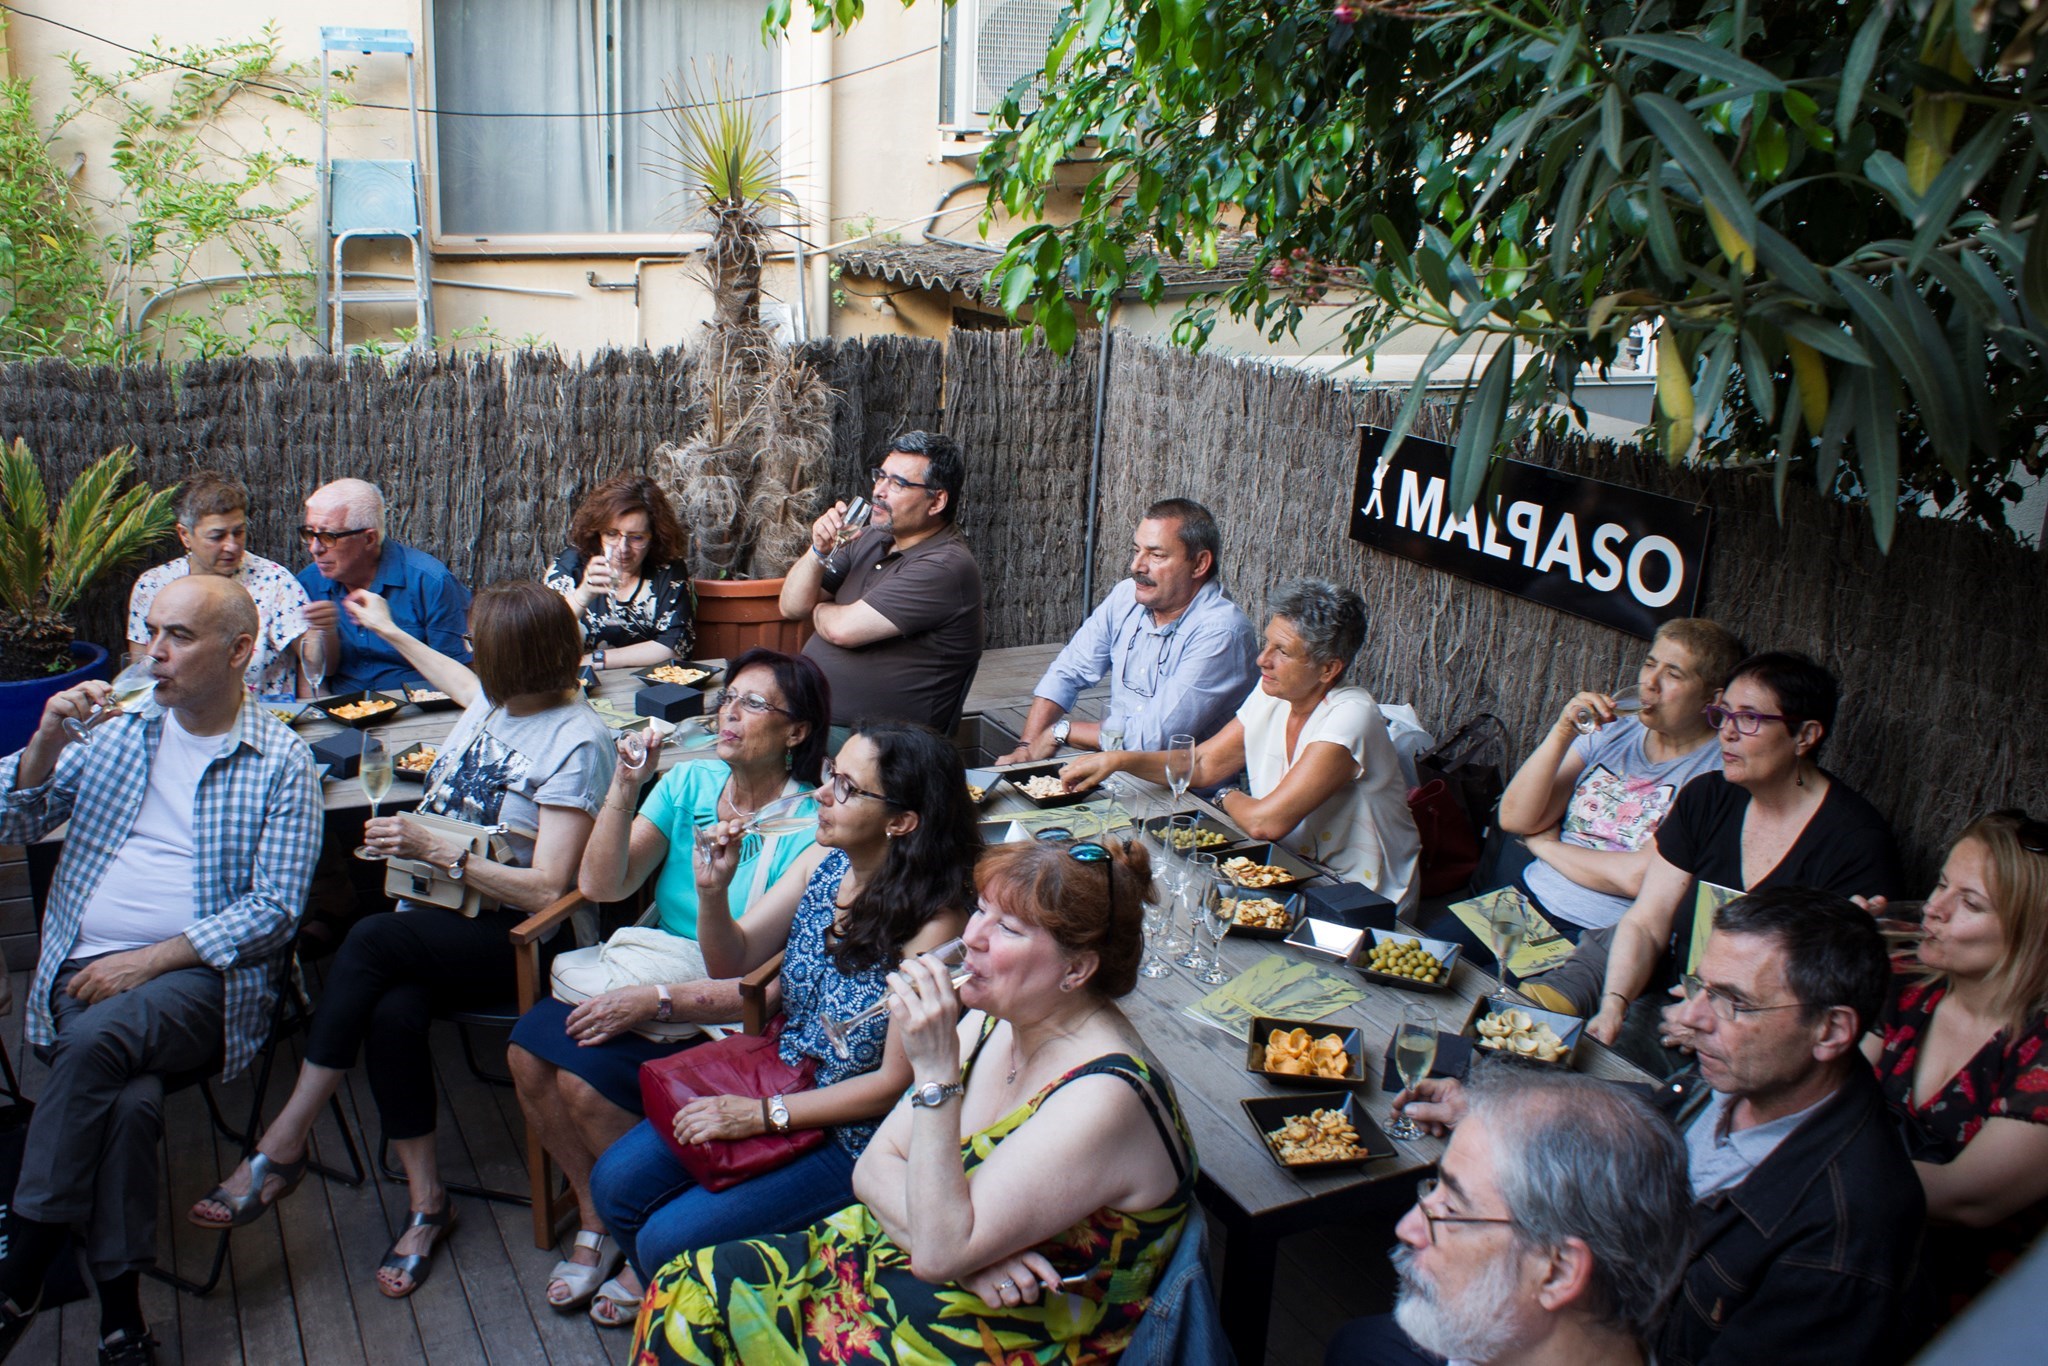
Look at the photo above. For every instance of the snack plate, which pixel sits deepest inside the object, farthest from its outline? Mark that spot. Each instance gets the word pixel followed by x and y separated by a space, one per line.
pixel 1268 1113
pixel 1225 836
pixel 1330 938
pixel 291 713
pixel 1354 1052
pixel 1294 917
pixel 411 687
pixel 1023 773
pixel 711 673
pixel 1447 952
pixel 985 779
pixel 1568 1028
pixel 1273 856
pixel 326 707
pixel 404 774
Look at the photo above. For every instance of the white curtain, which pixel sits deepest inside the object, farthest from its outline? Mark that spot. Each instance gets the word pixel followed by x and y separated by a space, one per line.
pixel 506 176
pixel 680 42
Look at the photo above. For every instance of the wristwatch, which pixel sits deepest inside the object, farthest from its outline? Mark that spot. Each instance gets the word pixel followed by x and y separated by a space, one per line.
pixel 597 657
pixel 1060 730
pixel 461 862
pixel 778 1115
pixel 933 1094
pixel 664 1004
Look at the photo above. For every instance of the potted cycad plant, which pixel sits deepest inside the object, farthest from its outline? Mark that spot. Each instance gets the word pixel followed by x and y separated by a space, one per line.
pixel 747 482
pixel 47 563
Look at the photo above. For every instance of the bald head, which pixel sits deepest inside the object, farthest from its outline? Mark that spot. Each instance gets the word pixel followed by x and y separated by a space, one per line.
pixel 214 605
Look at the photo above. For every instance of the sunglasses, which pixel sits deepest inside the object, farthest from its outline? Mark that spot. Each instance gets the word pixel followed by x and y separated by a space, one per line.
pixel 312 537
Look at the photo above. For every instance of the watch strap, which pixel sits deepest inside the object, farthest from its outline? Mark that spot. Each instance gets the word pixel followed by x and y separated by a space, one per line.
pixel 664 1004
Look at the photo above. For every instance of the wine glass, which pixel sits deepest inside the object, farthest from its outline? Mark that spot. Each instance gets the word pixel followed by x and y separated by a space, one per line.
pixel 779 817
pixel 1159 843
pixel 1158 916
pixel 1197 870
pixel 859 512
pixel 1627 702
pixel 1109 736
pixel 1505 930
pixel 132 687
pixel 313 661
pixel 375 773
pixel 1215 909
pixel 951 955
pixel 1414 1055
pixel 1180 766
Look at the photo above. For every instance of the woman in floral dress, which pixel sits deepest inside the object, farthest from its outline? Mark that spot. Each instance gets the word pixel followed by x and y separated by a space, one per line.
pixel 1081 1165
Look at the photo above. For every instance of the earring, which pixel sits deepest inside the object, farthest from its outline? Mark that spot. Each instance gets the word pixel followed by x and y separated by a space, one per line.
pixel 1799 778
pixel 1066 986
pixel 789 758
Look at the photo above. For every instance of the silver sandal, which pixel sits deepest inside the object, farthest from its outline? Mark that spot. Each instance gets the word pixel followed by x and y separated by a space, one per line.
pixel 583 1281
pixel 614 1306
pixel 250 1205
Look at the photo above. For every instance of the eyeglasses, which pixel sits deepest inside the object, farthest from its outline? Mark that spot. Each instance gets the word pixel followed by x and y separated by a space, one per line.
pixel 1746 722
pixel 843 790
pixel 2032 834
pixel 637 540
pixel 878 475
pixel 748 701
pixel 312 537
pixel 1426 1188
pixel 1725 1007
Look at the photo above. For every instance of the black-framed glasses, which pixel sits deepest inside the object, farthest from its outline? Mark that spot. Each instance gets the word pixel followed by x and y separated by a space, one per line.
pixel 1746 722
pixel 1425 1188
pixel 2032 834
pixel 844 790
pixel 1725 1007
pixel 748 701
pixel 878 475
pixel 313 537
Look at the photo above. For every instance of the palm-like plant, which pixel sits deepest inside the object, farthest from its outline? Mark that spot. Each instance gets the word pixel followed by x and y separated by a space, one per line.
pixel 47 564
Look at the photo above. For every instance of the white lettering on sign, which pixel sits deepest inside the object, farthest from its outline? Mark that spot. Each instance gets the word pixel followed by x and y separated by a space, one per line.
pixel 1608 576
pixel 1564 549
pixel 1466 526
pixel 1418 509
pixel 1674 571
pixel 1525 524
pixel 1494 546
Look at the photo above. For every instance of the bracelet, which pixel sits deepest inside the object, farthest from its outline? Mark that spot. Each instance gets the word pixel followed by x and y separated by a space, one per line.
pixel 614 806
pixel 1616 995
pixel 823 558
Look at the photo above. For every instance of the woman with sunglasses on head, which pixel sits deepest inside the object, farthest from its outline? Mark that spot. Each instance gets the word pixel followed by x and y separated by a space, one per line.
pixel 891 876
pixel 1081 1168
pixel 1772 817
pixel 576 1056
pixel 623 574
pixel 1962 1054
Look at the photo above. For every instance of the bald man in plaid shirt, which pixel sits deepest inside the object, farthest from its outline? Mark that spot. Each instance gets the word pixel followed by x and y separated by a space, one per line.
pixel 195 824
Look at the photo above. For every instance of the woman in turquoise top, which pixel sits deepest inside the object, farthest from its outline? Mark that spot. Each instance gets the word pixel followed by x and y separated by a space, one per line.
pixel 578 1067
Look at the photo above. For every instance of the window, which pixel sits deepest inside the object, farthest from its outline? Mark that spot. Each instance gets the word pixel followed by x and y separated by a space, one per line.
pixel 599 60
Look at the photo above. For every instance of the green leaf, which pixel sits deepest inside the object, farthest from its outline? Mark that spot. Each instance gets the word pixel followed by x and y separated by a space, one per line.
pixel 1789 264
pixel 1056 318
pixel 1756 377
pixel 1788 432
pixel 1825 337
pixel 1017 284
pixel 1856 69
pixel 1611 126
pixel 1695 154
pixel 1885 323
pixel 2034 269
pixel 1663 232
pixel 1877 451
pixel 1479 432
pixel 1700 58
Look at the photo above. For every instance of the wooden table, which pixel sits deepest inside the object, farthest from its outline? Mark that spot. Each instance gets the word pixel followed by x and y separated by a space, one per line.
pixel 1258 1201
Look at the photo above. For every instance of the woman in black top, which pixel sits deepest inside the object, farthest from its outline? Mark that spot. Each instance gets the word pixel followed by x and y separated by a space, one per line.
pixel 624 576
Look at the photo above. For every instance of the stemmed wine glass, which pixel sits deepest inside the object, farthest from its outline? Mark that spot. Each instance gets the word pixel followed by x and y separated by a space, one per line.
pixel 951 955
pixel 1180 766
pixel 1196 870
pixel 1158 916
pixel 132 687
pixel 1215 909
pixel 313 661
pixel 859 512
pixel 1627 702
pixel 779 817
pixel 1414 1055
pixel 376 775
pixel 1158 838
pixel 1505 931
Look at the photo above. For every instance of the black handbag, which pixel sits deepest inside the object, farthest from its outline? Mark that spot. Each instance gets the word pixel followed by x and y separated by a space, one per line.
pixel 1456 798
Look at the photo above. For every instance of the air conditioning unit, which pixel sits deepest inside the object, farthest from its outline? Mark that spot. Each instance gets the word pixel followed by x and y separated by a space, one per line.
pixel 986 46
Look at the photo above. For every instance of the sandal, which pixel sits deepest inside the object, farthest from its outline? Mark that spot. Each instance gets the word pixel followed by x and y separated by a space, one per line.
pixel 123 1349
pixel 614 1306
pixel 583 1281
pixel 250 1205
pixel 14 1321
pixel 415 1265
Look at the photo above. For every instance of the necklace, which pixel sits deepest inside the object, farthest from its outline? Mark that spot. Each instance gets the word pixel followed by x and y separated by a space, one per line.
pixel 1018 1064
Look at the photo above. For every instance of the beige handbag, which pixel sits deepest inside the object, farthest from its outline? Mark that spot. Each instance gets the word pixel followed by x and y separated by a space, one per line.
pixel 417 880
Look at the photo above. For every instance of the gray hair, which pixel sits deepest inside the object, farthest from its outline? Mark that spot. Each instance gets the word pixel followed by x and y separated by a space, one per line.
pixel 1195 528
pixel 1579 1158
pixel 1331 620
pixel 361 502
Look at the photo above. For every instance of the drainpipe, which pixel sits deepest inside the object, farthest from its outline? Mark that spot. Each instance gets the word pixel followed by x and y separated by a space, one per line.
pixel 1095 464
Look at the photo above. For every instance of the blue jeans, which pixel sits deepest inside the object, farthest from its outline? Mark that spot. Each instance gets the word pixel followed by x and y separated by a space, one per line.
pixel 657 1211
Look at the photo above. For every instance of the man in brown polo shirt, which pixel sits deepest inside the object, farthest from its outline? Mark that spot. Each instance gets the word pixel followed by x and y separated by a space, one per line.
pixel 897 612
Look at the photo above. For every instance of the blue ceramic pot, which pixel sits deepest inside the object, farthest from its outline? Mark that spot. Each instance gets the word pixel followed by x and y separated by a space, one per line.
pixel 21 704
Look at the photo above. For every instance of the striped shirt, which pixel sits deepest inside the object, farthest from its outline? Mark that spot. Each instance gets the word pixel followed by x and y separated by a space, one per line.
pixel 256 823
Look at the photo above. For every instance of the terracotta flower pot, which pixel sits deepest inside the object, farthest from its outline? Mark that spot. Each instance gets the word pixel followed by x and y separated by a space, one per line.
pixel 737 614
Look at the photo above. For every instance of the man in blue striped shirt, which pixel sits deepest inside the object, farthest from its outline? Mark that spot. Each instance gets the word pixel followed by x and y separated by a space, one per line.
pixel 194 826
pixel 1179 655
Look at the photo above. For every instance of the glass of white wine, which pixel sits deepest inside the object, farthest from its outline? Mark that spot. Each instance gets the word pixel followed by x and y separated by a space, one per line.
pixel 1180 766
pixel 1158 836
pixel 859 512
pixel 1215 910
pixel 313 661
pixel 1505 931
pixel 1414 1055
pixel 1197 871
pixel 1627 702
pixel 375 773
pixel 131 687
pixel 951 955
pixel 782 816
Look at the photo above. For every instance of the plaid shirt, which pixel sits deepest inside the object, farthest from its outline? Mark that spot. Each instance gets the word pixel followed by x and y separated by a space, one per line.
pixel 256 823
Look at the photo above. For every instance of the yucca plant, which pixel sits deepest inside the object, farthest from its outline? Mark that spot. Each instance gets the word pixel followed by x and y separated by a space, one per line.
pixel 47 564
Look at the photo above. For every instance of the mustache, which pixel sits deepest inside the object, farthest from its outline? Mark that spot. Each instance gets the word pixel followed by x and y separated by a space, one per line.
pixel 1144 580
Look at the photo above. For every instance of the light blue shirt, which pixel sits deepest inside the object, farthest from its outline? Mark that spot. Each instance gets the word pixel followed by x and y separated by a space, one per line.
pixel 1184 678
pixel 1718 1157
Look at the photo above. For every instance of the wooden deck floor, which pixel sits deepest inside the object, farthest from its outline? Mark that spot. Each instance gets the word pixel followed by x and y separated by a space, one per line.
pixel 301 1287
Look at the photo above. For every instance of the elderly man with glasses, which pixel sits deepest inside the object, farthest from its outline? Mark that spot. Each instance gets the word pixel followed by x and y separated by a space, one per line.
pixel 898 610
pixel 1555 1232
pixel 1806 1212
pixel 344 533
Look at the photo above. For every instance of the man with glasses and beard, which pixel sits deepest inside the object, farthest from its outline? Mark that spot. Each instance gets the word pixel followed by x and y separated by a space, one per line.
pixel 1806 1212
pixel 1554 1232
pixel 898 611
pixel 344 533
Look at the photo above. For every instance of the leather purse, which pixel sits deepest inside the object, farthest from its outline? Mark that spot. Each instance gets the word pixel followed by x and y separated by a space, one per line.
pixel 429 883
pixel 737 1065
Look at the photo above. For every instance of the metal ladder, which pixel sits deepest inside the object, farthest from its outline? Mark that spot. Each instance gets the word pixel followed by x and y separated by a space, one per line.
pixel 360 199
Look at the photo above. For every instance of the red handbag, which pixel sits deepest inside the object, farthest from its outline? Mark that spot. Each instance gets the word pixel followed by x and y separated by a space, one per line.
pixel 736 1065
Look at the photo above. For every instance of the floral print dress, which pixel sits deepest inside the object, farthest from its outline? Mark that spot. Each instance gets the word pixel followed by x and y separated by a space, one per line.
pixel 842 1291
pixel 2006 1079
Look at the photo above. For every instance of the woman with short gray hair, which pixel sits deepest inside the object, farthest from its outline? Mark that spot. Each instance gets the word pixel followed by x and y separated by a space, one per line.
pixel 1323 775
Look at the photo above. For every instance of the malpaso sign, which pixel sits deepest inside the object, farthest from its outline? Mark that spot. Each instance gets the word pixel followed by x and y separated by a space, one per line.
pixel 1628 559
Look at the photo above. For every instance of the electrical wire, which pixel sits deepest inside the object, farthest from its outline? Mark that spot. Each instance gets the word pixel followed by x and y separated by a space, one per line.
pixel 168 60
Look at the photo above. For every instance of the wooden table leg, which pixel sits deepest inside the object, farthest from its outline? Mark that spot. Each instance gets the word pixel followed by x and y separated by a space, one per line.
pixel 1249 1254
